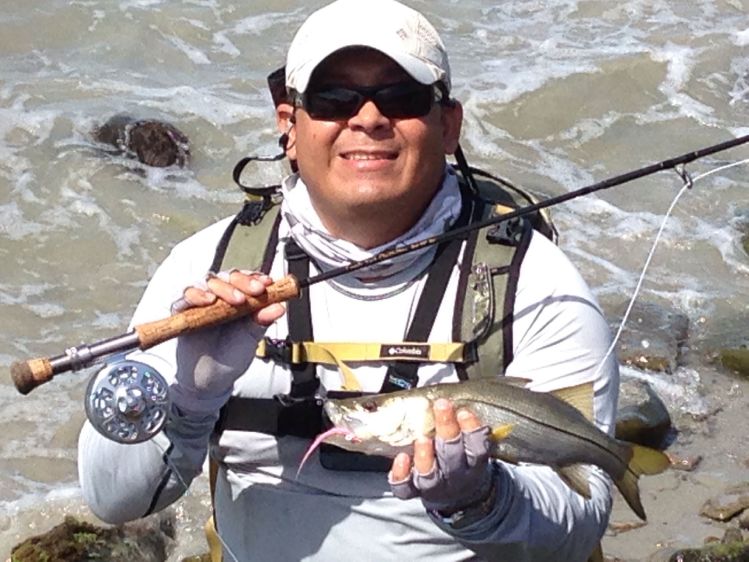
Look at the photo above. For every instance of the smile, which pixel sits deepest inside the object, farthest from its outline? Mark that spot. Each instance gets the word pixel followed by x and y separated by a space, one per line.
pixel 364 156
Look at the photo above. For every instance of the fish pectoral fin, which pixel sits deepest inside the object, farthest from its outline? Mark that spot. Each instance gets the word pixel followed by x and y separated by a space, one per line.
pixel 576 477
pixel 579 396
pixel 502 431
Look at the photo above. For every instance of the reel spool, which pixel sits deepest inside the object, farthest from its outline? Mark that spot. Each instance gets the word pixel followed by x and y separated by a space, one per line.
pixel 127 401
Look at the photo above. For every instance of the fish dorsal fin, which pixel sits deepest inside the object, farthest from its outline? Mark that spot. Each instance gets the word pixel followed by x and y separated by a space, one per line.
pixel 579 396
pixel 576 477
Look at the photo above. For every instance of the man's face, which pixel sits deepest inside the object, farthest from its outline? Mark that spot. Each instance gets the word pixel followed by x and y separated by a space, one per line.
pixel 369 165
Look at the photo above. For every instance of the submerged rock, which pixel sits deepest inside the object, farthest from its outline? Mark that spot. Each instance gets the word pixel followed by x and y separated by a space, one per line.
pixel 154 143
pixel 642 416
pixel 149 540
pixel 728 504
pixel 652 338
pixel 731 548
pixel 735 359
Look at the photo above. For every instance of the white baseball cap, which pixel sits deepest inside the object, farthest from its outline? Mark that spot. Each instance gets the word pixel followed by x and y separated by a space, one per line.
pixel 400 32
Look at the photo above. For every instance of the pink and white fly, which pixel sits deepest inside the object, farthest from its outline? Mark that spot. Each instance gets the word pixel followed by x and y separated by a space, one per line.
pixel 347 434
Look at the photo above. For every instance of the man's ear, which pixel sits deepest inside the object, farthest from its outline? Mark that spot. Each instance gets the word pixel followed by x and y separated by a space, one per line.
pixel 452 122
pixel 285 120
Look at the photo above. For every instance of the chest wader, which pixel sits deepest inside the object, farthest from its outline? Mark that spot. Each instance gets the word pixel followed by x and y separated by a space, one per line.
pixel 481 332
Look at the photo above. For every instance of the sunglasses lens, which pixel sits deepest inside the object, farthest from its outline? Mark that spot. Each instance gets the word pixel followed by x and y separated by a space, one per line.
pixel 400 101
pixel 333 104
pixel 404 101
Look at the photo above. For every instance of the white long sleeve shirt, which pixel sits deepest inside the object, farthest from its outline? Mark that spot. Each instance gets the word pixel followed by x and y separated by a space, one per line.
pixel 266 513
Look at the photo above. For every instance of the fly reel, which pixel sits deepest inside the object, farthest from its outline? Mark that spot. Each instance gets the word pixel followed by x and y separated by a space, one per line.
pixel 127 401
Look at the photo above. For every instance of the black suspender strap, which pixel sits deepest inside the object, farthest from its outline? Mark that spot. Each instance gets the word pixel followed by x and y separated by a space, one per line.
pixel 297 413
pixel 304 382
pixel 508 317
pixel 404 374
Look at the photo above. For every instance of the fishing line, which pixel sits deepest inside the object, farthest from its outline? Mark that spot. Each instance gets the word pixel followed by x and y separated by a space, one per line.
pixel 689 181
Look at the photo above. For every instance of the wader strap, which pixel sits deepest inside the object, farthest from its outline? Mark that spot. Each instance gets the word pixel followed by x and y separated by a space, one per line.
pixel 223 244
pixel 487 286
pixel 511 286
pixel 404 375
pixel 304 381
pixel 463 280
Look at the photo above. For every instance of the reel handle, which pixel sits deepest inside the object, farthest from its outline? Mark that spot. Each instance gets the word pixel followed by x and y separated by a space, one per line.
pixel 27 375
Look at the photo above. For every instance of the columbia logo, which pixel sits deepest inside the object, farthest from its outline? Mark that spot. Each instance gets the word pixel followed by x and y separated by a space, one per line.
pixel 390 351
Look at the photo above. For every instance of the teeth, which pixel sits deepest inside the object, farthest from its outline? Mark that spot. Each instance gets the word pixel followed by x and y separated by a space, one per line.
pixel 365 156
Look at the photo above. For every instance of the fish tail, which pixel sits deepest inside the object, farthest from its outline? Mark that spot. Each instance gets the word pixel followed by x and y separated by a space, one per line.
pixel 643 461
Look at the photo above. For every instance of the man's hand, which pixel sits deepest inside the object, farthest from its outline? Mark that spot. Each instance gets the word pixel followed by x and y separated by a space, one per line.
pixel 233 287
pixel 210 360
pixel 451 471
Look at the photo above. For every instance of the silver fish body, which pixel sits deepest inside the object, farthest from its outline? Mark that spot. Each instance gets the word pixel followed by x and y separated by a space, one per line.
pixel 528 427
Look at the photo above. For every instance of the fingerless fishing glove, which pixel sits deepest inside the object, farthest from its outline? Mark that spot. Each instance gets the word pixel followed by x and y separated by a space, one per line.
pixel 461 476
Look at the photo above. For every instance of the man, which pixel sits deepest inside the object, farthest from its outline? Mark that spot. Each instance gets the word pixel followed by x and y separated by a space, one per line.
pixel 369 121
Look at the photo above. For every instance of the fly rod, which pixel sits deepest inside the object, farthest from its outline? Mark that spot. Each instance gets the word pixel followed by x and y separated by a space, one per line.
pixel 29 374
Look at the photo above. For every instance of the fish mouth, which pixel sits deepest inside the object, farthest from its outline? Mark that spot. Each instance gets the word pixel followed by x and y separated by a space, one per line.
pixel 333 412
pixel 340 419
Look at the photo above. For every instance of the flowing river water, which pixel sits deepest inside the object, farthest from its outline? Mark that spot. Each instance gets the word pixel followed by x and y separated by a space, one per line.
pixel 557 94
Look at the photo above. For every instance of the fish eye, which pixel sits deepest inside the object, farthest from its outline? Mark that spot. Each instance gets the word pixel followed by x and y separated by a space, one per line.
pixel 370 406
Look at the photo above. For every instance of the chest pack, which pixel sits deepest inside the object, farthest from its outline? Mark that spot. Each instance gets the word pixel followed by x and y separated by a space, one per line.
pixel 482 316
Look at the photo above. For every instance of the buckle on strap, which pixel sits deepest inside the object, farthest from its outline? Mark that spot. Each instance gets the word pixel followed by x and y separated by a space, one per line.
pixel 280 351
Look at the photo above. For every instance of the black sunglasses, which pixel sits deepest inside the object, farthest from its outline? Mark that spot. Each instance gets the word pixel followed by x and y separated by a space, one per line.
pixel 404 100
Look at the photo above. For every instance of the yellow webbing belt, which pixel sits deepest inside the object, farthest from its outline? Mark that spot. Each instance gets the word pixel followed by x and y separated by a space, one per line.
pixel 338 354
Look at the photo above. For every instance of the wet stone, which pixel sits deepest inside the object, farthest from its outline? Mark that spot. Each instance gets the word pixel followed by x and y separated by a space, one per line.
pixel 652 338
pixel 744 520
pixel 149 540
pixel 685 464
pixel 727 505
pixel 714 552
pixel 642 416
pixel 617 527
pixel 152 142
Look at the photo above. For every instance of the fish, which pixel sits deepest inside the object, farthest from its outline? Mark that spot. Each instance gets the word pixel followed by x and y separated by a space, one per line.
pixel 548 428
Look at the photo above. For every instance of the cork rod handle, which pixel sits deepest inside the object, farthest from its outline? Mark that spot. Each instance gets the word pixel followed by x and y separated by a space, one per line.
pixel 27 375
pixel 154 333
